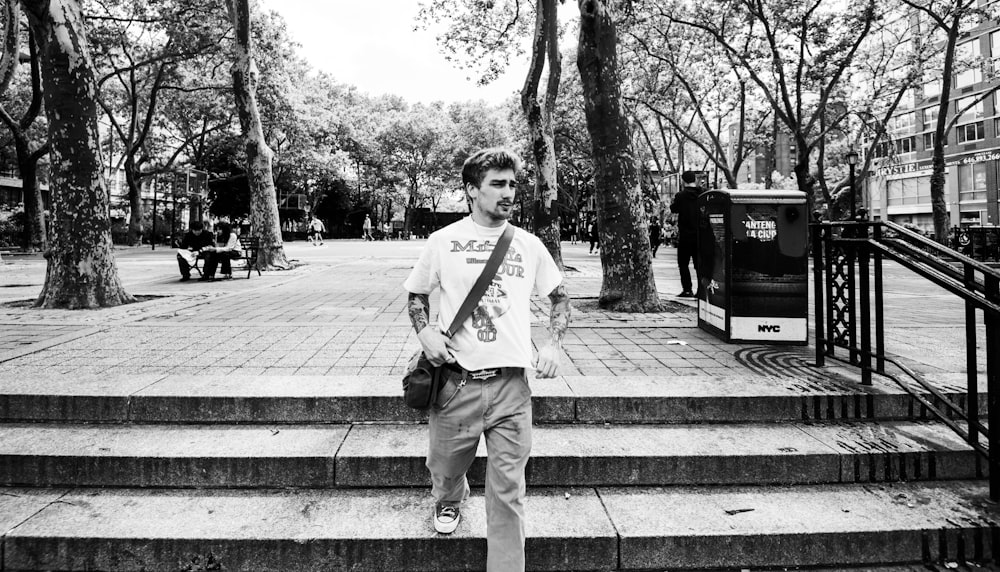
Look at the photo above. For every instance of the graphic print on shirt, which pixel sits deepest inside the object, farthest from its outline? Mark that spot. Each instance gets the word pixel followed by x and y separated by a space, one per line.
pixel 492 305
pixel 495 301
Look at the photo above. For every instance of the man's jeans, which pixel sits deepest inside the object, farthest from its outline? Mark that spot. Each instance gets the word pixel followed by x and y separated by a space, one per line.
pixel 687 253
pixel 500 407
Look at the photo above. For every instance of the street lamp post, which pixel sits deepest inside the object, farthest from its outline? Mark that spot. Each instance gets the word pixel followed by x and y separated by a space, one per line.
pixel 852 160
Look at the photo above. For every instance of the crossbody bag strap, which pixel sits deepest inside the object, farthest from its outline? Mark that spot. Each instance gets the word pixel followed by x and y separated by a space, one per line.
pixel 483 282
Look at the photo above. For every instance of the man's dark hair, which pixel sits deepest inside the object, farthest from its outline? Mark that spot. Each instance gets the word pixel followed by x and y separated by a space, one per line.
pixel 478 163
pixel 197 225
pixel 689 177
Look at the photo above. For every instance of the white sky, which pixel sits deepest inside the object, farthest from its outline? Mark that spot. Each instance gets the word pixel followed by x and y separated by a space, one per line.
pixel 371 44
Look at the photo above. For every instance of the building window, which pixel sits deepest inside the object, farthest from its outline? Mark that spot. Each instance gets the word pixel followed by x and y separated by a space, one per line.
pixel 882 149
pixel 930 117
pixel 995 49
pixel 932 88
pixel 972 182
pixel 929 141
pixel 969 53
pixel 906 145
pixel 894 192
pixel 974 111
pixel 912 191
pixel 971 132
pixel 904 122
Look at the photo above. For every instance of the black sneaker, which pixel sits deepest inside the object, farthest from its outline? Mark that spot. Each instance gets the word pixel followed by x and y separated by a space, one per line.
pixel 686 294
pixel 446 518
pixel 185 278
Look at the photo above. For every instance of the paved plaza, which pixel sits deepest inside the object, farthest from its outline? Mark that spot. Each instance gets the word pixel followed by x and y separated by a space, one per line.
pixel 341 311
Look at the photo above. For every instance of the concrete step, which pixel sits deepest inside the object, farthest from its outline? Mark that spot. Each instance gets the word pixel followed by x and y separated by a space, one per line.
pixel 567 528
pixel 563 455
pixel 333 399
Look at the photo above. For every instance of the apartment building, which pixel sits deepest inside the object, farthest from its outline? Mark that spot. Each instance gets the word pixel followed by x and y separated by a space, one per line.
pixel 898 185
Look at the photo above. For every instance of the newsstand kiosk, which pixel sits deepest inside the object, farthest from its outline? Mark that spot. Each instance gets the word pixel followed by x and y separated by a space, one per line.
pixel 753 265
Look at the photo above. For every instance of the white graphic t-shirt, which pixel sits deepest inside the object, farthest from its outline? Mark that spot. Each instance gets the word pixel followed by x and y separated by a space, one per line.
pixel 498 334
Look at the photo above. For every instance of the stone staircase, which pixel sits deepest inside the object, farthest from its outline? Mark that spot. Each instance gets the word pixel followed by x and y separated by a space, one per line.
pixel 155 472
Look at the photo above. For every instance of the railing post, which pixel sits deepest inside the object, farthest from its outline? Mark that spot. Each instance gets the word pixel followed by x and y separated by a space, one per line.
pixel 879 307
pixel 864 294
pixel 971 365
pixel 828 283
pixel 817 246
pixel 852 295
pixel 993 383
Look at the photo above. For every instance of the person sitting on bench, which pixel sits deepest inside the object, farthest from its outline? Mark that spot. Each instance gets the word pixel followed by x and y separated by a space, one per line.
pixel 228 249
pixel 192 247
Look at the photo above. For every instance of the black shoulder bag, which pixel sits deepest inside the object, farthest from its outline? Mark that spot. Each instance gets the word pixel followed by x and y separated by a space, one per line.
pixel 422 379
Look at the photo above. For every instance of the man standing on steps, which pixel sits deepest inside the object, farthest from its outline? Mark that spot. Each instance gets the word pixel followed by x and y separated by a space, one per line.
pixel 485 387
pixel 685 204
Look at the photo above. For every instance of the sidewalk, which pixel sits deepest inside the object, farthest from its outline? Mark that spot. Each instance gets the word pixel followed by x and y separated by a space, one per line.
pixel 343 312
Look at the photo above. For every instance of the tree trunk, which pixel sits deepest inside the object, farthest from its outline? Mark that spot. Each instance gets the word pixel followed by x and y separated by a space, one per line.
pixel 628 284
pixel 27 160
pixel 939 203
pixel 134 206
pixel 411 209
pixel 264 221
pixel 81 269
pixel 543 149
pixel 34 206
pixel 11 43
pixel 803 177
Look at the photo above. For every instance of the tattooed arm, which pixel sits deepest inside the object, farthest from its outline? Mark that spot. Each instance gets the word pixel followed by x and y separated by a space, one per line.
pixel 435 344
pixel 549 356
pixel 419 308
pixel 559 315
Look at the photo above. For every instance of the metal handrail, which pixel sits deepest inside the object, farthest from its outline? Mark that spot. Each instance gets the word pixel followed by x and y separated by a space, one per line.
pixel 943 280
pixel 944 250
pixel 842 267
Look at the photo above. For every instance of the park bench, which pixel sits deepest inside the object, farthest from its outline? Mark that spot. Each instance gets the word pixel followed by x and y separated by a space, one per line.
pixel 250 246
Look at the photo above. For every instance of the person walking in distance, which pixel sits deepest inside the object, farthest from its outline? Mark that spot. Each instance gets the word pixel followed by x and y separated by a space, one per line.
pixel 485 389
pixel 654 235
pixel 316 230
pixel 366 228
pixel 685 205
pixel 593 233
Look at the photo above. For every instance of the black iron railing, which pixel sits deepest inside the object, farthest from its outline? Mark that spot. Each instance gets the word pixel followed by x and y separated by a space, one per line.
pixel 978 242
pixel 847 266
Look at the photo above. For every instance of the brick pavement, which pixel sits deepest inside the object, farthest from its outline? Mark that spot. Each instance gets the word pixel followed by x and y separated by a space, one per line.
pixel 343 312
pixel 28 334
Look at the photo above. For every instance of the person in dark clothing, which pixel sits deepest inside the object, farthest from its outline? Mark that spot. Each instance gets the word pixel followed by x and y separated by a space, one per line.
pixel 594 236
pixel 654 235
pixel 685 205
pixel 193 246
pixel 227 250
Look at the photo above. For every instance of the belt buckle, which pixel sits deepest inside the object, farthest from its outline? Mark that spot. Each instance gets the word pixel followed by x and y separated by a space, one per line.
pixel 482 374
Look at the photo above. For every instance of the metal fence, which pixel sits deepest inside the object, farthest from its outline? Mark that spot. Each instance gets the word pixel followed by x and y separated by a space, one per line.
pixel 978 242
pixel 847 265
